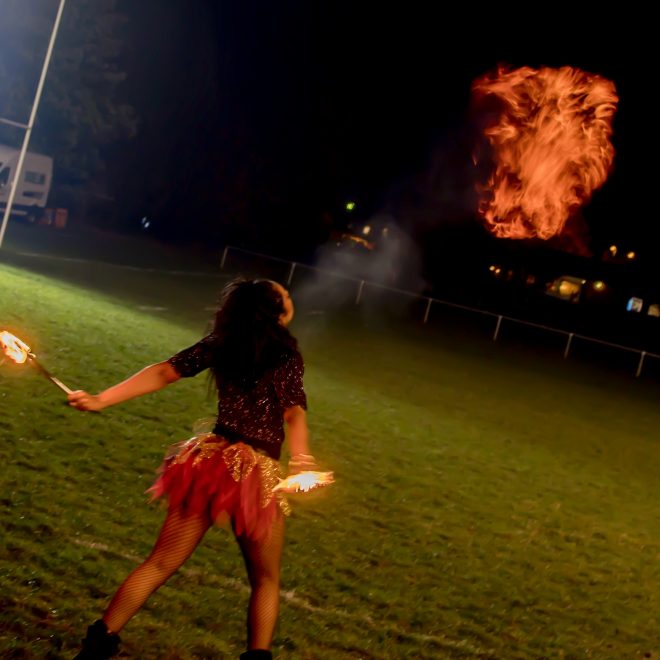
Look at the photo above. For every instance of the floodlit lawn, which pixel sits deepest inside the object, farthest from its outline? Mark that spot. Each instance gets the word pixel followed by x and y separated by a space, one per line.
pixel 488 504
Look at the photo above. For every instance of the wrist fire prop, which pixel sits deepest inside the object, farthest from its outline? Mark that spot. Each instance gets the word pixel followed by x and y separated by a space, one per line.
pixel 20 352
pixel 303 482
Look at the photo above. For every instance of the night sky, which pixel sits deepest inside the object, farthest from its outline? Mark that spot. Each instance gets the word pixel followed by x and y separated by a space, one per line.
pixel 288 109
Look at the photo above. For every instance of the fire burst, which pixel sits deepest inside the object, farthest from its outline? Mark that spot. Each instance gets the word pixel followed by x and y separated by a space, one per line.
pixel 304 482
pixel 550 142
pixel 14 348
pixel 20 352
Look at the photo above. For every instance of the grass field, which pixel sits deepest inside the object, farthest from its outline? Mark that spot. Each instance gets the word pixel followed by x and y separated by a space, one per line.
pixel 490 503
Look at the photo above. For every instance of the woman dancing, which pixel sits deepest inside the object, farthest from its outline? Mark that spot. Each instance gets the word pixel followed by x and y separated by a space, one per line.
pixel 229 474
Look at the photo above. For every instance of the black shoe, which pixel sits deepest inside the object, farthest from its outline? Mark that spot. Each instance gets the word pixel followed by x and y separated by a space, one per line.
pixel 256 654
pixel 99 643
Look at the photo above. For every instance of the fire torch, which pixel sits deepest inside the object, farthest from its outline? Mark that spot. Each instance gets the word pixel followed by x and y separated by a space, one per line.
pixel 20 352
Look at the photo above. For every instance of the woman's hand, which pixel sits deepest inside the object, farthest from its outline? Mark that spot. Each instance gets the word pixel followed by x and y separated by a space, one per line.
pixel 82 400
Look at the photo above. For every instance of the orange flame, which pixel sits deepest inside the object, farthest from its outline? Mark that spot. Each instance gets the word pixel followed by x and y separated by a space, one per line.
pixel 550 142
pixel 14 348
pixel 304 482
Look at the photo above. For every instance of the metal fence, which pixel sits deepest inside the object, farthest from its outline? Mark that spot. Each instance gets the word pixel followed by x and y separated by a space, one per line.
pixel 361 285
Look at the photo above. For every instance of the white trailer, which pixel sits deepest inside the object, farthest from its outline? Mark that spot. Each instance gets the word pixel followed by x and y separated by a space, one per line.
pixel 33 188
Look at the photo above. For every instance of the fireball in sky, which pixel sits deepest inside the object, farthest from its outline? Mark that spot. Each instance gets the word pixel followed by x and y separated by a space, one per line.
pixel 548 132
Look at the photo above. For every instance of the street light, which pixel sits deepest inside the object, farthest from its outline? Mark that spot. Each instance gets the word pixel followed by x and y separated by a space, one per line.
pixel 28 128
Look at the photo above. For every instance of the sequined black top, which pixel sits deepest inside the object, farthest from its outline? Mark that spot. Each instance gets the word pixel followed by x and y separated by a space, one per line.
pixel 254 416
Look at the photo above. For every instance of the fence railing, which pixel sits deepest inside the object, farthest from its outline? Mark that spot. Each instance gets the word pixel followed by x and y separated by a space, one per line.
pixel 293 266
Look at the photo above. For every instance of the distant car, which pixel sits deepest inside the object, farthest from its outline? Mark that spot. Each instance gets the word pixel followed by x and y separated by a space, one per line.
pixel 376 250
pixel 347 241
pixel 566 288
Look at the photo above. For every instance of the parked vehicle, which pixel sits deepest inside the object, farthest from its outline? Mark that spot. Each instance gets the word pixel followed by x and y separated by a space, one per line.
pixel 34 186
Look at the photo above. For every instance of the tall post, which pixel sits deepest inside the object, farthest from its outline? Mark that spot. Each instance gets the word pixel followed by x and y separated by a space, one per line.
pixel 359 293
pixel 224 257
pixel 497 328
pixel 28 130
pixel 292 270
pixel 428 310
pixel 568 344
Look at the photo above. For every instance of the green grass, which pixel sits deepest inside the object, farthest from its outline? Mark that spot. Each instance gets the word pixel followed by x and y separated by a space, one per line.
pixel 489 503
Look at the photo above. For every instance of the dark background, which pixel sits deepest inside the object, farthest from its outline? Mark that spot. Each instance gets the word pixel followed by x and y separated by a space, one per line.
pixel 256 118
pixel 253 123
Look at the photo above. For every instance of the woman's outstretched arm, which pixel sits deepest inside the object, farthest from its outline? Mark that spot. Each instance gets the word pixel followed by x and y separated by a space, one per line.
pixel 150 379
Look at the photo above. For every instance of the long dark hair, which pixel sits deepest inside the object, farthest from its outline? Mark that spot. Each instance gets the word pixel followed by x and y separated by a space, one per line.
pixel 249 338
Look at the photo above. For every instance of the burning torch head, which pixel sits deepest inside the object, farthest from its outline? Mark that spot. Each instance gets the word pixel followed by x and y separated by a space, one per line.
pixel 14 348
pixel 303 482
pixel 20 352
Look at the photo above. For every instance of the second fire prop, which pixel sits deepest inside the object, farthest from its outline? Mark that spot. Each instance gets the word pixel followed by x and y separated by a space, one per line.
pixel 303 482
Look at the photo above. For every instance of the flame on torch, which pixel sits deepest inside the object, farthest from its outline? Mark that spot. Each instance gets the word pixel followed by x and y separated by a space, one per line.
pixel 303 482
pixel 550 145
pixel 20 352
pixel 14 348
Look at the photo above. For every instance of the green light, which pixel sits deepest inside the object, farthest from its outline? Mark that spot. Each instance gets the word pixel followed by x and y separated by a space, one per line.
pixel 350 206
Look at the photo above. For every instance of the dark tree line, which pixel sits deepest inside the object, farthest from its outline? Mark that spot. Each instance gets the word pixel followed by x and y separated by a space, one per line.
pixel 82 109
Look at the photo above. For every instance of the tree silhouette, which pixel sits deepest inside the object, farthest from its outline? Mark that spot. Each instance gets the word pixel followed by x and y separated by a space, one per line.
pixel 81 109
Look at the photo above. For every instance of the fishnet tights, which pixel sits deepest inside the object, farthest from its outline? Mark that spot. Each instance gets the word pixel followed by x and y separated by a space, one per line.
pixel 178 538
pixel 262 560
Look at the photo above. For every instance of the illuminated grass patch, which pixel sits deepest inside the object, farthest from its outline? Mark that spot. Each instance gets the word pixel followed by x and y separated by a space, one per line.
pixel 485 506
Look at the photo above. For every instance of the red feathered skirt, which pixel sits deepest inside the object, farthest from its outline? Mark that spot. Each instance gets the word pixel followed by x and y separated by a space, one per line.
pixel 233 481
